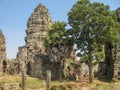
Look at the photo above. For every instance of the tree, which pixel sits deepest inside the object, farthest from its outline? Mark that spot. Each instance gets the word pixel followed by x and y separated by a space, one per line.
pixel 92 25
pixel 58 46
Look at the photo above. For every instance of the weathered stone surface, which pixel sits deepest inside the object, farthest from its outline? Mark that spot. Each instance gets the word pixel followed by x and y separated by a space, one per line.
pixel 11 86
pixel 117 61
pixel 37 25
pixel 116 52
pixel 101 73
pixel 60 58
pixel 3 62
pixel 32 55
pixel 21 59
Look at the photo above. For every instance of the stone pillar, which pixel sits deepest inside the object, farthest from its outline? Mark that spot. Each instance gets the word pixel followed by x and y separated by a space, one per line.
pixel 0 68
pixel 24 79
pixel 117 52
pixel 48 80
pixel 2 51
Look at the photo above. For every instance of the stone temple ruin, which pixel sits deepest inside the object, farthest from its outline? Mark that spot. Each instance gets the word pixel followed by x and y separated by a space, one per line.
pixel 115 56
pixel 117 62
pixel 33 56
pixel 117 52
pixel 3 62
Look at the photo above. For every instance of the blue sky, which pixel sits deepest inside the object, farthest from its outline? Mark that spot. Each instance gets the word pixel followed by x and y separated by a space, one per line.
pixel 15 13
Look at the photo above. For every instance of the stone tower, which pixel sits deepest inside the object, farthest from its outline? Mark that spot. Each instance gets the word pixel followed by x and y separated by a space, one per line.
pixel 117 56
pixel 32 55
pixel 2 53
pixel 37 25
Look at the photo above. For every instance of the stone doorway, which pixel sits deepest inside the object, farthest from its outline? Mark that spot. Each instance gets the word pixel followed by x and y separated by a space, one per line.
pixel 4 66
pixel 28 68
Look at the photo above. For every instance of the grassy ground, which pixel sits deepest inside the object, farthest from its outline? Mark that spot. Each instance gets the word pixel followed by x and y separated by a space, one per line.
pixel 38 84
pixel 32 83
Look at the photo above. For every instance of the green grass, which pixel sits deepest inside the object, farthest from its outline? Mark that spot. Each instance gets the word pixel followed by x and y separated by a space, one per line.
pixel 35 83
pixel 99 85
pixel 31 83
pixel 109 86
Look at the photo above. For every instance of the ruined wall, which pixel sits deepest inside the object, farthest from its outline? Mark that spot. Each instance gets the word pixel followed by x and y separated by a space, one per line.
pixel 117 62
pixel 21 59
pixel 33 55
pixel 117 51
pixel 37 26
pixel 2 51
pixel 60 58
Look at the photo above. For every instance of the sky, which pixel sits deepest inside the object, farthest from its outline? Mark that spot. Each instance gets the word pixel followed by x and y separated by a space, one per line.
pixel 15 13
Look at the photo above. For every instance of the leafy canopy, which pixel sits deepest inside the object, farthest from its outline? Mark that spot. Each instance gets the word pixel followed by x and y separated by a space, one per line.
pixel 57 35
pixel 92 24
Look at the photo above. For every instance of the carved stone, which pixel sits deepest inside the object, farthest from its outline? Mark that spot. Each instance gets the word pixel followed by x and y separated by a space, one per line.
pixel 117 61
pixel 3 62
pixel 33 54
pixel 34 57
pixel 117 52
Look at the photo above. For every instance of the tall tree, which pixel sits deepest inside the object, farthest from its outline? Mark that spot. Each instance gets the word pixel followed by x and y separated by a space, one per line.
pixel 58 45
pixel 92 25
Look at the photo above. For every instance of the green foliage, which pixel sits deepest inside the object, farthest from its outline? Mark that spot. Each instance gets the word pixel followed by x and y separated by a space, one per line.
pixel 11 68
pixel 92 24
pixel 56 33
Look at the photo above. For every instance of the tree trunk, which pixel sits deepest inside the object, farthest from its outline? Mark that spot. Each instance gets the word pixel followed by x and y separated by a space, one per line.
pixel 23 80
pixel 109 60
pixel 90 68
